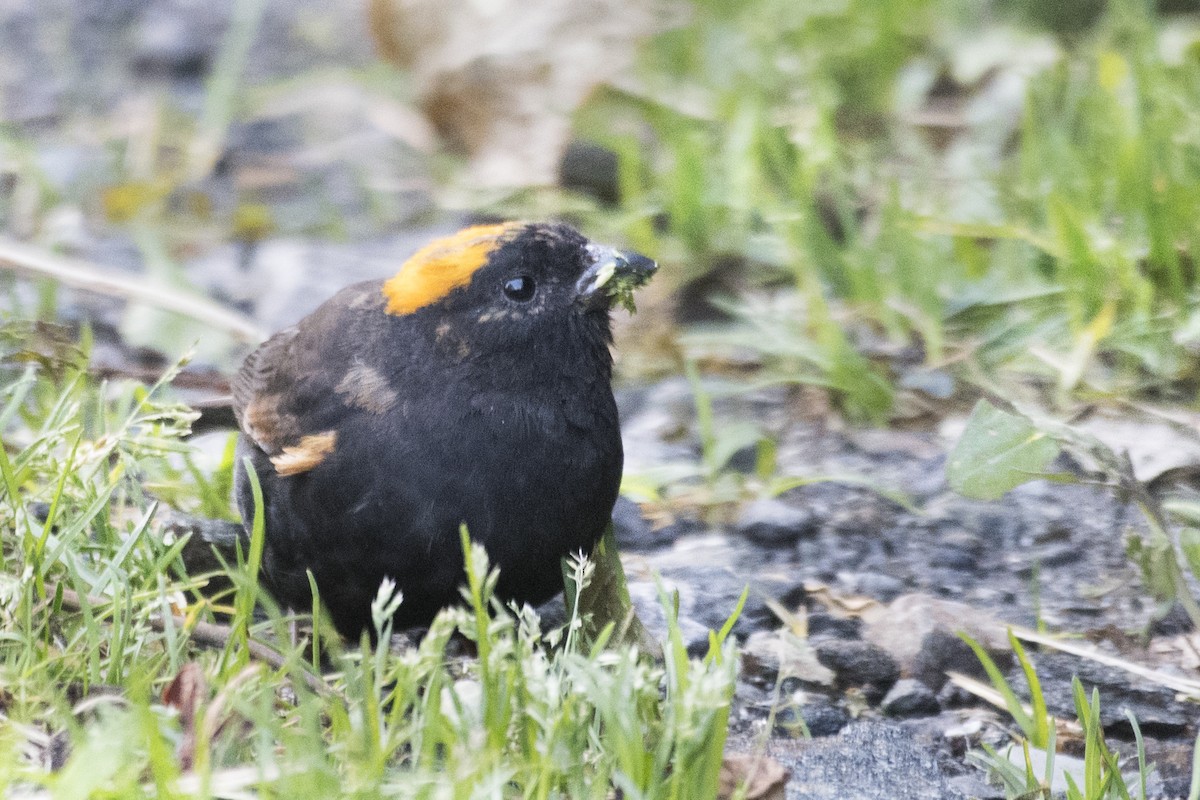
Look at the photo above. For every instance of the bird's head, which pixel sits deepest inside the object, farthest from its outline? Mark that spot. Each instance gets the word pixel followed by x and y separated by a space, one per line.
pixel 515 282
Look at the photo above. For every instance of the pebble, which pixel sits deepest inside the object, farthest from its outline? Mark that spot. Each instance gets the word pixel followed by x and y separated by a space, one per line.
pixel 634 532
pixel 819 716
pixel 774 523
pixel 822 623
pixel 910 698
pixel 768 656
pixel 858 664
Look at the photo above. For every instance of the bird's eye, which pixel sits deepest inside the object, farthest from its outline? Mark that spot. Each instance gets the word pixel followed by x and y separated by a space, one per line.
pixel 520 288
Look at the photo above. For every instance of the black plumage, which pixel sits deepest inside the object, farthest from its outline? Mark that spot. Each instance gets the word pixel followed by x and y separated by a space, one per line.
pixel 474 387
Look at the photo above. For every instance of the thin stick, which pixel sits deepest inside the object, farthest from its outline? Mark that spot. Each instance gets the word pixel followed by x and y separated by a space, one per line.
pixel 1176 683
pixel 206 634
pixel 990 695
pixel 34 262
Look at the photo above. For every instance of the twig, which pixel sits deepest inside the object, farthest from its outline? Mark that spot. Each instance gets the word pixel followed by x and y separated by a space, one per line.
pixel 1176 683
pixel 206 634
pixel 990 695
pixel 35 262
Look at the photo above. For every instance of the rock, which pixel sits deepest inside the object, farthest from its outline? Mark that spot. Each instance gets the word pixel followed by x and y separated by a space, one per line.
pixel 170 41
pixel 957 549
pixel 941 652
pixel 910 698
pixel 634 532
pixel 975 787
pixel 591 169
pixel 650 611
pixel 858 664
pixel 817 715
pixel 1173 623
pixel 821 623
pixel 884 588
pixel 867 761
pixel 954 696
pixel 902 629
pixel 769 657
pixel 774 523
pixel 1158 712
pixel 1047 556
pixel 709 594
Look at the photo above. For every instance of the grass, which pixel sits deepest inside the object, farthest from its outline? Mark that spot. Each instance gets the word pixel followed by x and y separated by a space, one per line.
pixel 95 651
pixel 1054 243
pixel 1099 775
pixel 1038 245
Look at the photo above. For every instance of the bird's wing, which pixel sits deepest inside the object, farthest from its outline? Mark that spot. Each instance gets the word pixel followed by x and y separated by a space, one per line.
pixel 295 391
pixel 260 399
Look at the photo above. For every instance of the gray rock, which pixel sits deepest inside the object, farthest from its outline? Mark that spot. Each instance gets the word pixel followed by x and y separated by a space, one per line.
pixel 957 549
pixel 634 532
pixel 910 698
pixel 768 656
pixel 858 664
pixel 819 716
pixel 867 761
pixel 920 633
pixel 774 523
pixel 884 588
pixel 1158 712
pixel 821 623
pixel 941 652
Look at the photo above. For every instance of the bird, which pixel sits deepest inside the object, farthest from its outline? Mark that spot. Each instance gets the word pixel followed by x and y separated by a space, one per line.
pixel 471 387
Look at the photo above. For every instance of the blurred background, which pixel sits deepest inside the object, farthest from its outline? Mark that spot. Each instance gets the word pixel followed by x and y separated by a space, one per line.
pixel 874 200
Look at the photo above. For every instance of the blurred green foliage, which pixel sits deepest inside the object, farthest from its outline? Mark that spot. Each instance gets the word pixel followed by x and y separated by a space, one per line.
pixel 1056 241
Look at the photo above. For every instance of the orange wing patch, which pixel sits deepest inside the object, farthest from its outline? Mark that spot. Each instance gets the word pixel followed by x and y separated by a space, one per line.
pixel 442 266
pixel 302 457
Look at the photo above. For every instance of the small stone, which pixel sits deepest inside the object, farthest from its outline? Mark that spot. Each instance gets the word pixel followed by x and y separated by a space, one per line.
pixel 954 696
pixel 903 629
pixel 821 623
pixel 774 523
pixel 910 698
pixel 634 532
pixel 973 786
pixel 824 718
pixel 957 549
pixel 1175 622
pixel 876 585
pixel 858 664
pixel 768 655
pixel 1057 555
pixel 941 652
pixel 818 716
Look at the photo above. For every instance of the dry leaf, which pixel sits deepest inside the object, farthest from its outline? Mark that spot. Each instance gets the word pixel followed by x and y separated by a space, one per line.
pixel 501 79
pixel 767 777
pixel 841 605
pixel 185 693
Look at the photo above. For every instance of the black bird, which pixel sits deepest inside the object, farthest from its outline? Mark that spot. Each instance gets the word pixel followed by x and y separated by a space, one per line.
pixel 471 387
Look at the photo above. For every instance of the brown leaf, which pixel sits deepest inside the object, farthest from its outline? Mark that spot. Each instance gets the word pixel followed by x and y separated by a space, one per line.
pixel 185 693
pixel 500 80
pixel 767 777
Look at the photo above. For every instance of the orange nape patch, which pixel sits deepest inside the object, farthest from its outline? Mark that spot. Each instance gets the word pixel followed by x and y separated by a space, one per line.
pixel 442 266
pixel 302 457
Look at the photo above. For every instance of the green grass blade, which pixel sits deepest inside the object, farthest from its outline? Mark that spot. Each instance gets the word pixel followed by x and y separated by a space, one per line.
pixel 1011 701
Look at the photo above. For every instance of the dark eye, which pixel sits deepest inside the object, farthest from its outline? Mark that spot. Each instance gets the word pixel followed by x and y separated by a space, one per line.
pixel 520 288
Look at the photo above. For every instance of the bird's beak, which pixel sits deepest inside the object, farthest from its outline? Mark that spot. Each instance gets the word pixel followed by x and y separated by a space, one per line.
pixel 613 275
